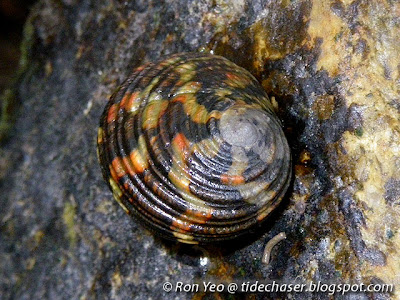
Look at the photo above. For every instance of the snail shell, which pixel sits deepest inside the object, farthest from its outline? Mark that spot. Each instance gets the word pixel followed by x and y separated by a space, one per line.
pixel 190 145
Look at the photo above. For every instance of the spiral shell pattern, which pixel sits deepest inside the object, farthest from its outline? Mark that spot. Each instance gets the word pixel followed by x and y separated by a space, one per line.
pixel 190 145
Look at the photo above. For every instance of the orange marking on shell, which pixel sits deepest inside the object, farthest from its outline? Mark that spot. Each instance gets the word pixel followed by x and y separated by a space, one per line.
pixel 124 100
pixel 128 165
pixel 182 226
pixel 267 211
pixel 181 143
pixel 180 98
pixel 131 101
pixel 195 84
pixel 232 76
pixel 112 113
pixel 140 68
pixel 232 179
pixel 137 161
pixel 118 168
pixel 153 140
pixel 263 215
pixel 179 83
pixel 201 216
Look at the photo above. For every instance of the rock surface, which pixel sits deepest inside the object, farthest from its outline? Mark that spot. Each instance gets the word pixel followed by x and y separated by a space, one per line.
pixel 334 70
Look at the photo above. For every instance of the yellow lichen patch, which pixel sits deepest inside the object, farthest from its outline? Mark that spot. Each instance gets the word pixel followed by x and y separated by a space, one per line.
pixel 374 167
pixel 79 52
pixel 334 253
pixel 48 68
pixel 262 47
pixel 69 213
pixel 329 27
pixel 305 157
pixel 267 44
pixel 370 158
pixel 38 236
pixel 116 280
pixel 30 263
pixel 222 15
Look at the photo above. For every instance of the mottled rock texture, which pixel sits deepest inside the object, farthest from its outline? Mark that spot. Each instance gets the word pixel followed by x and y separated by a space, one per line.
pixel 334 70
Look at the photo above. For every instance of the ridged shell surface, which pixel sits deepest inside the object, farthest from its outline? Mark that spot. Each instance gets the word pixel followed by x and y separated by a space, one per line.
pixel 190 145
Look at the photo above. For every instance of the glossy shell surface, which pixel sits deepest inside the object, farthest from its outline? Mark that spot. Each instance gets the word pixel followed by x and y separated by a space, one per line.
pixel 190 145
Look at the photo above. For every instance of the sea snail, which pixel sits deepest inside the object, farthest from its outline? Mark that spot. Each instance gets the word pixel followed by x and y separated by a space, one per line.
pixel 191 147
